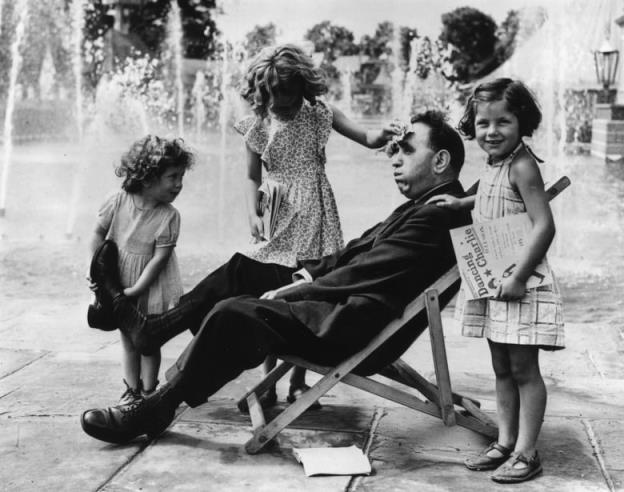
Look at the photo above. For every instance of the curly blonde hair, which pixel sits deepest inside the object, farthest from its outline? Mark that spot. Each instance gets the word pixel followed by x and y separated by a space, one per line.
pixel 284 69
pixel 149 158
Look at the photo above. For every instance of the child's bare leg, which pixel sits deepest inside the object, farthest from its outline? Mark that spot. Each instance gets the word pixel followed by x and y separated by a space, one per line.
pixel 268 365
pixel 150 365
pixel 130 362
pixel 532 391
pixel 297 378
pixel 507 398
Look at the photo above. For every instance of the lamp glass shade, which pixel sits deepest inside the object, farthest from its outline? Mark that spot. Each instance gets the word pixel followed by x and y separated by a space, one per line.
pixel 606 60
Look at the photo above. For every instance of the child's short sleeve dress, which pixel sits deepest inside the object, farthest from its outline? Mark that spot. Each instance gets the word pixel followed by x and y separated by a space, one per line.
pixel 293 153
pixel 137 233
pixel 537 318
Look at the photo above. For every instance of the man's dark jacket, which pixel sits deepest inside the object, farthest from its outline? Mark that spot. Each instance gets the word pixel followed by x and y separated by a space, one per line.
pixel 357 290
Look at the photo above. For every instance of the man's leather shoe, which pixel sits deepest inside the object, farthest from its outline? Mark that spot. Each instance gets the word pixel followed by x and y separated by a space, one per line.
pixel 100 317
pixel 122 423
pixel 104 273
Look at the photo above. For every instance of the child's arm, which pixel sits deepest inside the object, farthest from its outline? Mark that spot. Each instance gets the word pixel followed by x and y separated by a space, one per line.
pixel 372 139
pixel 150 272
pixel 526 177
pixel 453 202
pixel 97 238
pixel 253 182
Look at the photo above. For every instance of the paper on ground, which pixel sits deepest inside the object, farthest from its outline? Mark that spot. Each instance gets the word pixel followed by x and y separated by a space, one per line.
pixel 487 252
pixel 333 461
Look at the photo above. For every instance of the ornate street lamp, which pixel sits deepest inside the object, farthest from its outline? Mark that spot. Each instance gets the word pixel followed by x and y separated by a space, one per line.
pixel 606 62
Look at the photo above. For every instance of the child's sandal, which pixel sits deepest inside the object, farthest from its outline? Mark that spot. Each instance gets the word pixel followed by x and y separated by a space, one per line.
pixel 508 473
pixel 483 462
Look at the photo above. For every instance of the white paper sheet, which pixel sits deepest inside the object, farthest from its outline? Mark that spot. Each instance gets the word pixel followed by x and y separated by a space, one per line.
pixel 333 461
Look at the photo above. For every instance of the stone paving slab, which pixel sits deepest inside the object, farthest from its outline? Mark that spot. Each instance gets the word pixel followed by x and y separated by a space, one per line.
pixel 207 456
pixel 339 418
pixel 609 435
pixel 53 454
pixel 569 397
pixel 411 450
pixel 14 360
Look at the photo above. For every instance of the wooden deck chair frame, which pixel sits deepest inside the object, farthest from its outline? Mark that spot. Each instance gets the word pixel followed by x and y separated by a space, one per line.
pixel 440 401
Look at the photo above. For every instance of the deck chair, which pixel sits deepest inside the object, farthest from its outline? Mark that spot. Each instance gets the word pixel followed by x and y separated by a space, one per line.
pixel 440 401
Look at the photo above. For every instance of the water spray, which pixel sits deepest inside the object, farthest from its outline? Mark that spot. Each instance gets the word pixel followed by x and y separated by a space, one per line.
pixel 16 63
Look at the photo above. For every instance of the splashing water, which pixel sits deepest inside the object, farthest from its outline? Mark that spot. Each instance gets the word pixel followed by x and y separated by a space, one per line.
pixel 174 38
pixel 78 15
pixel 223 118
pixel 199 111
pixel 16 63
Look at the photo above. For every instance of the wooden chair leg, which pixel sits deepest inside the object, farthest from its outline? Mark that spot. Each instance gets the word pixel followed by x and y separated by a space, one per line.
pixel 265 433
pixel 269 380
pixel 440 361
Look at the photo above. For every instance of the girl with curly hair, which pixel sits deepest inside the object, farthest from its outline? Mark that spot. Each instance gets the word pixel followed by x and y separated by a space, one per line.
pixel 145 226
pixel 287 136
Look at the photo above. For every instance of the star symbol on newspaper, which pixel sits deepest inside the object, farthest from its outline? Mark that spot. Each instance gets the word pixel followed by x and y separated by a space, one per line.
pixel 487 273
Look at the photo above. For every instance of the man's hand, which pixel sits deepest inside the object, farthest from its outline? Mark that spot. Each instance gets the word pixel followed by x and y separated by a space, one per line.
pixel 282 291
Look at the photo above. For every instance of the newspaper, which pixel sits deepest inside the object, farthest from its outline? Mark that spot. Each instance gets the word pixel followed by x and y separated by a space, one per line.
pixel 488 252
pixel 333 461
pixel 271 196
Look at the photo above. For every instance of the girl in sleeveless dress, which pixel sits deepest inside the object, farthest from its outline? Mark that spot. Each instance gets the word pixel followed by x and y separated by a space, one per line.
pixel 145 227
pixel 286 139
pixel 518 321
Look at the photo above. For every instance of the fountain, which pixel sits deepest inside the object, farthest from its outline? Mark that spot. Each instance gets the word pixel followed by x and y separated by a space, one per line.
pixel 16 62
pixel 174 39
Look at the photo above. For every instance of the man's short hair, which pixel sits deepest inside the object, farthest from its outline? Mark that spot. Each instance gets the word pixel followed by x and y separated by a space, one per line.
pixel 442 136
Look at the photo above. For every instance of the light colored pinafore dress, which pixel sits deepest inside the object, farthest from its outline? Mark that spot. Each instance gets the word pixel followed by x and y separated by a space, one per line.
pixel 537 318
pixel 137 233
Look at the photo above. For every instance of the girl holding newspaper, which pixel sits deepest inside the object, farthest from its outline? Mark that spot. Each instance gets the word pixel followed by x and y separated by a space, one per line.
pixel 517 321
pixel 287 136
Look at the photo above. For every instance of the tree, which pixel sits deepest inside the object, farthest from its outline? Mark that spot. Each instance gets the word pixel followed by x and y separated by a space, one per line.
pixel 472 35
pixel 332 40
pixel 260 37
pixel 507 34
pixel 380 43
pixel 425 61
pixel 148 23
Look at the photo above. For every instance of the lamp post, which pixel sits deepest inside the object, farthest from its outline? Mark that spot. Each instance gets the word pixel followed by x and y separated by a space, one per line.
pixel 608 123
pixel 606 60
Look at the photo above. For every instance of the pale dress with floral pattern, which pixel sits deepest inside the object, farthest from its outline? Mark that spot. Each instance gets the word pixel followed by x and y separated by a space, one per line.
pixel 137 233
pixel 293 153
pixel 537 318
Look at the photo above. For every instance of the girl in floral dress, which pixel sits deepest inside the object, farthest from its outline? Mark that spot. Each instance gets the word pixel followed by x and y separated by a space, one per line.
pixel 286 137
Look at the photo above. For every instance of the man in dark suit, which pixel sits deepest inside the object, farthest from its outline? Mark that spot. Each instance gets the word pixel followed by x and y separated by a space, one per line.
pixel 246 310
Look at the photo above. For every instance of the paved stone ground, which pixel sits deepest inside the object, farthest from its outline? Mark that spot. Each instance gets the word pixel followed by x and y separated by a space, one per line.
pixel 52 367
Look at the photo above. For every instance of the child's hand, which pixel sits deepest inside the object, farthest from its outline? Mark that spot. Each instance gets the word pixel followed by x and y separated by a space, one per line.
pixel 92 285
pixel 130 292
pixel 257 228
pixel 389 130
pixel 446 201
pixel 511 289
